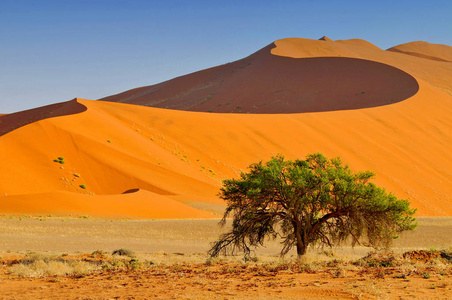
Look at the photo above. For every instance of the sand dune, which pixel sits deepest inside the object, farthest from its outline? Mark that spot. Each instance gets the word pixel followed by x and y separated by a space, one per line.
pixel 401 129
pixel 139 204
pixel 425 50
pixel 9 122
pixel 266 83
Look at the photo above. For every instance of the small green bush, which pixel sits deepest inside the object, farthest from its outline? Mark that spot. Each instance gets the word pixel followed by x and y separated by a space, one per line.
pixel 60 160
pixel 83 186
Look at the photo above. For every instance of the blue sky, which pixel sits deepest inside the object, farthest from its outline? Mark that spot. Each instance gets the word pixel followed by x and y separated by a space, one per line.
pixel 53 51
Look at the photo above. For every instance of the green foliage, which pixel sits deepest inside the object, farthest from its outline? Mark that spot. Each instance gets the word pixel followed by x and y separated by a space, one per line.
pixel 82 186
pixel 315 201
pixel 60 160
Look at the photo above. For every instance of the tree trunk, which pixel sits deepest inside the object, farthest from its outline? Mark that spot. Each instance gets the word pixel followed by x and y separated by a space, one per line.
pixel 301 245
pixel 301 248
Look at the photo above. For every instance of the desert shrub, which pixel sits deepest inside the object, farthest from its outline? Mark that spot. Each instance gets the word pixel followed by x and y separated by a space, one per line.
pixel 42 268
pixel 60 160
pixel 82 186
pixel 99 254
pixel 114 265
pixel 134 264
pixel 377 260
pixel 124 252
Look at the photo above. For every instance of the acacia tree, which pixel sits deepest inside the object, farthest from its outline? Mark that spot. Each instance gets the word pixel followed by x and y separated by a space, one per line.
pixel 315 201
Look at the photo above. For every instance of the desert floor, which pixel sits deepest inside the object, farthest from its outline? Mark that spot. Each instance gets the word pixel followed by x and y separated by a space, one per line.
pixel 170 262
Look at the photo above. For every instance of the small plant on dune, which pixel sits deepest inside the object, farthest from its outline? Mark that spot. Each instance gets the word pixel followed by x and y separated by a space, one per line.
pixel 82 186
pixel 59 160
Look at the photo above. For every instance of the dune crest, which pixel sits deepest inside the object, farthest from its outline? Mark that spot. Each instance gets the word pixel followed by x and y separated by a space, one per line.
pixel 10 122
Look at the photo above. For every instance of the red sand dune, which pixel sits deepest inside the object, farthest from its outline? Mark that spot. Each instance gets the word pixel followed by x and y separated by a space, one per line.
pixel 178 158
pixel 425 50
pixel 266 83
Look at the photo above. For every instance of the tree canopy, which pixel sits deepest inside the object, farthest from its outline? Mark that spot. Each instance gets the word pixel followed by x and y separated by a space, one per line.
pixel 308 202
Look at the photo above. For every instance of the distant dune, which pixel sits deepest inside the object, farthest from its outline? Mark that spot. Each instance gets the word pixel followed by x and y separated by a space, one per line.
pixel 380 110
pixel 425 50
pixel 266 83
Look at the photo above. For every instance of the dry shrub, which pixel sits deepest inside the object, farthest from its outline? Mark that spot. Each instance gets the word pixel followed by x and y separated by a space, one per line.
pixel 124 252
pixel 82 268
pixel 339 273
pixel 377 260
pixel 99 254
pixel 42 268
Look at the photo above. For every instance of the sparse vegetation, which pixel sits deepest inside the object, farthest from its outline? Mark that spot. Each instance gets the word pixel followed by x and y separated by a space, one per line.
pixel 59 160
pixel 315 201
pixel 124 252
pixel 42 267
pixel 83 186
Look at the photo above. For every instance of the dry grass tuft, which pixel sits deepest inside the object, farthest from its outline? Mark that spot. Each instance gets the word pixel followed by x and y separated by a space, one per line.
pixel 42 268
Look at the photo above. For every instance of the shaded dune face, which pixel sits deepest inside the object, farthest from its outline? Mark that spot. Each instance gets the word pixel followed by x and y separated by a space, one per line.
pixel 13 121
pixel 266 83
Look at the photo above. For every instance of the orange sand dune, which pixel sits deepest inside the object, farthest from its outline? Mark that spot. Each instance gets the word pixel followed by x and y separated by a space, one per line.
pixel 179 157
pixel 425 50
pixel 140 204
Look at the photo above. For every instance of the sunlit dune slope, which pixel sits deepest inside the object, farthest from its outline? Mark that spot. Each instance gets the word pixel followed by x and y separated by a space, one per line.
pixel 425 50
pixel 179 158
pixel 140 204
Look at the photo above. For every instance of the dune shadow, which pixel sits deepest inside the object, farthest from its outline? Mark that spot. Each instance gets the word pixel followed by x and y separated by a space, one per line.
pixel 264 83
pixel 131 191
pixel 16 120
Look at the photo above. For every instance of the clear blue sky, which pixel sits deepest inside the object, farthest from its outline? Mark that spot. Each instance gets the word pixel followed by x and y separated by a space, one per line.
pixel 56 50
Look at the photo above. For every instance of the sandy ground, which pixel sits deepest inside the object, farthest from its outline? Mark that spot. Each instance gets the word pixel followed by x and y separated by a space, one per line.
pixel 177 248
pixel 223 282
pixel 150 236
